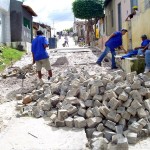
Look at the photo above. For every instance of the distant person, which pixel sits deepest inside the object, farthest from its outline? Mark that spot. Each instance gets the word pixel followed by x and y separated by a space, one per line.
pixel 40 55
pixel 66 41
pixel 114 41
pixel 134 12
pixel 137 50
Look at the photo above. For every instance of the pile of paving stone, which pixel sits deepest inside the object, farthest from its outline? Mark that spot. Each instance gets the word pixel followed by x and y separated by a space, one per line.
pixel 112 107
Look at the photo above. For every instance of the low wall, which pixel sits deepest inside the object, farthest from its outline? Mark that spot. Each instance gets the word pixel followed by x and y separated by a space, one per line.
pixel 20 45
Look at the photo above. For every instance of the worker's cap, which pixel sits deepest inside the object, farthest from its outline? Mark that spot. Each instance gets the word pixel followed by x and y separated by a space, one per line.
pixel 134 7
pixel 124 30
pixel 144 36
pixel 39 32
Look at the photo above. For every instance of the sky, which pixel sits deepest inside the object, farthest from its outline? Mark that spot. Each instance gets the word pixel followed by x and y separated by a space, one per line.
pixel 56 13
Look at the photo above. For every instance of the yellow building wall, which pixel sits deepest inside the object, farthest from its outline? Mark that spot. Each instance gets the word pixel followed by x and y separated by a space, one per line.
pixel 140 24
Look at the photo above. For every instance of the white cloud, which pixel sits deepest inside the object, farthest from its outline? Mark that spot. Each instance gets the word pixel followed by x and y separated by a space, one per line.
pixel 49 11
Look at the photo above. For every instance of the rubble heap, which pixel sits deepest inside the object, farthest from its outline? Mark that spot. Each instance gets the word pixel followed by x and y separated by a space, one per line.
pixel 111 107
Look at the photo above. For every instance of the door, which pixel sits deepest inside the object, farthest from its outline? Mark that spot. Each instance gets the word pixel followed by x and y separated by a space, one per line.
pixel 119 17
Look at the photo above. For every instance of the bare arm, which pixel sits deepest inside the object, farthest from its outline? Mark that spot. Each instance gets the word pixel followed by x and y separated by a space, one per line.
pixel 33 59
pixel 145 48
pixel 123 49
pixel 139 47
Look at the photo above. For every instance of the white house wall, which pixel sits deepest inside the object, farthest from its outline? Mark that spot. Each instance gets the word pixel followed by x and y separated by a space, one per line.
pixel 5 21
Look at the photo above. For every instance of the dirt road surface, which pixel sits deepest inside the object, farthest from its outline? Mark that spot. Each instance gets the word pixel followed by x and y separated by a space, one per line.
pixel 27 133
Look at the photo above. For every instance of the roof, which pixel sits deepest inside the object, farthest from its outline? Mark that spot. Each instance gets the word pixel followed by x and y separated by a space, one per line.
pixel 30 10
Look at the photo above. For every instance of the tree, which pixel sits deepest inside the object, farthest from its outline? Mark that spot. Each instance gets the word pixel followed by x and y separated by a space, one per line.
pixel 88 9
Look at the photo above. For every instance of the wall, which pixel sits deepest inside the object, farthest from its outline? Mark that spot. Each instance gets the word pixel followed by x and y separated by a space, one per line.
pixel 140 24
pixel 16 20
pixel 5 21
pixel 28 31
pixel 108 17
pixel 126 10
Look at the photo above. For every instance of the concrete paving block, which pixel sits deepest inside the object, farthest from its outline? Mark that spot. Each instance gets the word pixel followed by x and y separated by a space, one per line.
pixel 62 114
pixel 128 89
pixel 69 122
pixel 59 123
pixel 111 94
pixel 54 100
pixel 135 127
pixel 110 125
pixel 89 132
pixel 127 103
pixel 118 90
pixel 113 103
pixel 19 97
pixel 136 96
pixel 141 113
pixel 135 104
pixel 80 122
pixel 132 138
pixel 126 115
pixel 132 111
pixel 92 122
pixel 123 96
pixel 100 127
pixel 88 103
pixel 97 97
pixel 81 112
pixel 100 144
pixel 94 90
pixel 96 112
pixel 104 110
pixel 89 113
pixel 142 122
pixel 136 85
pixel 53 117
pixel 147 104
pixel 108 135
pixel 97 134
pixel 122 144
pixel 97 103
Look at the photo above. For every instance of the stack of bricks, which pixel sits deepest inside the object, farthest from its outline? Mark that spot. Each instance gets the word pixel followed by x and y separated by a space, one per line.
pixel 113 108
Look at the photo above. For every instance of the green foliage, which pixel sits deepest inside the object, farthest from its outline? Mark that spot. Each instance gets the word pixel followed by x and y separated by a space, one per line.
pixel 9 56
pixel 87 9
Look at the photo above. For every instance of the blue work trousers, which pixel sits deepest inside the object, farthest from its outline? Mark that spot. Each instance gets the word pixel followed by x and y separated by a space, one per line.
pixel 106 51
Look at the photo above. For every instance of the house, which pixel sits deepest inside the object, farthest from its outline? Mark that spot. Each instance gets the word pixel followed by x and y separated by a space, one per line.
pixel 46 29
pixel 21 24
pixel 4 21
pixel 116 12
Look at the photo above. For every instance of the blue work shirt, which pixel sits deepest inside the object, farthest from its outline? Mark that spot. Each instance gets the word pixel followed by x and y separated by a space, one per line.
pixel 115 41
pixel 38 49
pixel 145 42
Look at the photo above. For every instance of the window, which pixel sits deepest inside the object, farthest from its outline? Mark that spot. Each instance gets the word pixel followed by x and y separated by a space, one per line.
pixel 26 23
pixel 147 4
pixel 134 3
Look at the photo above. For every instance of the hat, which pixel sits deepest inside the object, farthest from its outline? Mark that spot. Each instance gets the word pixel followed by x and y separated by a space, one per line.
pixel 144 36
pixel 135 7
pixel 124 30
